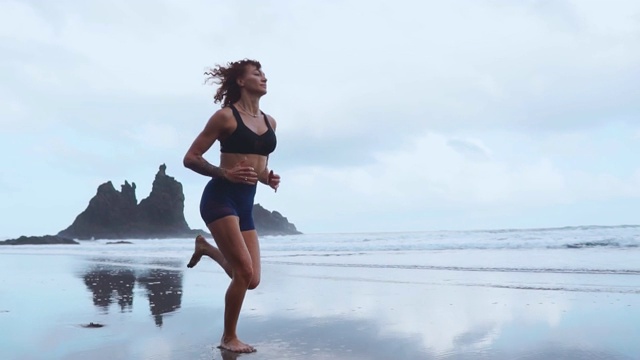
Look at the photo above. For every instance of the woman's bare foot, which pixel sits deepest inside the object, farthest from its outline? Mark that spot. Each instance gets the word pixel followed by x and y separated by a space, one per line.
pixel 236 345
pixel 198 252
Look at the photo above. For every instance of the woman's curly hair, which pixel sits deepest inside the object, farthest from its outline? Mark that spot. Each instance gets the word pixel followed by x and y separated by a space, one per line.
pixel 226 76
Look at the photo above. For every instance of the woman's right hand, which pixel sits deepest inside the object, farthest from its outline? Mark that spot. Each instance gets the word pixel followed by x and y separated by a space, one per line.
pixel 241 173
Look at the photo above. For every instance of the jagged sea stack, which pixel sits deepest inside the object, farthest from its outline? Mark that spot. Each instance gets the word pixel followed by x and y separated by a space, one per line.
pixel 113 214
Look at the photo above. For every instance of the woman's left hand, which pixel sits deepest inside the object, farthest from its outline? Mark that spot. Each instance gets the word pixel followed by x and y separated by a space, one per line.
pixel 273 180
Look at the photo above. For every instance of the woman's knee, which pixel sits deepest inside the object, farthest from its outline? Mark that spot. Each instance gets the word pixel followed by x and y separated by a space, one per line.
pixel 254 283
pixel 244 273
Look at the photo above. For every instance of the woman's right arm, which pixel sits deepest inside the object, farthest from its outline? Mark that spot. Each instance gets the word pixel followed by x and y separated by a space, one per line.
pixel 194 159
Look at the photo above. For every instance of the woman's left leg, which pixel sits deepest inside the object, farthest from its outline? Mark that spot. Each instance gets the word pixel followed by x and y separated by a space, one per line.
pixel 202 247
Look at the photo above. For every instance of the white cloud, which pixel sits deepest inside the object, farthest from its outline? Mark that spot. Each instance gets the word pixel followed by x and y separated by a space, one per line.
pixel 155 136
pixel 428 173
pixel 20 22
pixel 419 108
pixel 428 170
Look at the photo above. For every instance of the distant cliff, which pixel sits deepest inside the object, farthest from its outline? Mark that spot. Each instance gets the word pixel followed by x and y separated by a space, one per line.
pixel 113 214
pixel 272 222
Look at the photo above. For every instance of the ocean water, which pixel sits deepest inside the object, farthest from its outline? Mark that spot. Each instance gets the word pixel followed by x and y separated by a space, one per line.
pixel 589 258
pixel 595 250
pixel 561 293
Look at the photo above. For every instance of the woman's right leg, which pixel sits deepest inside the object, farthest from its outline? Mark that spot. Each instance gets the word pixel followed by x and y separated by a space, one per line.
pixel 227 235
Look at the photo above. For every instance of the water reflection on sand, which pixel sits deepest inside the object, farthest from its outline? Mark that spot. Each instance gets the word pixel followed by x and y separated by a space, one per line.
pixel 110 283
pixel 153 307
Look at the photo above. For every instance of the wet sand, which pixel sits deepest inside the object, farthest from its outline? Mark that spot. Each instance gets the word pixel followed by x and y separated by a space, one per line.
pixel 156 308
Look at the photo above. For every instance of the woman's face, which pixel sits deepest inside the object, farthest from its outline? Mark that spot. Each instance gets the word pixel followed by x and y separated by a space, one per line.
pixel 254 80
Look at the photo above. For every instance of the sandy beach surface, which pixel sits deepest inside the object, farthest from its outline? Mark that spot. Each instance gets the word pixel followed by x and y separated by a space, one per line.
pixel 310 305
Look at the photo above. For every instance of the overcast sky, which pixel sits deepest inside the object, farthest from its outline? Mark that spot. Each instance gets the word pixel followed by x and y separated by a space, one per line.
pixel 392 116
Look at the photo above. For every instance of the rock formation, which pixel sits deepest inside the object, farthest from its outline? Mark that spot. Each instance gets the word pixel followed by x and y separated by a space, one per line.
pixel 39 240
pixel 113 214
pixel 272 222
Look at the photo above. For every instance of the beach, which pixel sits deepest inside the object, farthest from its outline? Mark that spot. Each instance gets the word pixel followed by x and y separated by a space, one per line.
pixel 537 294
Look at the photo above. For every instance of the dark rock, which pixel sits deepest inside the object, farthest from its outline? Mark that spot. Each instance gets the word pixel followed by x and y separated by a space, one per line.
pixel 110 214
pixel 39 240
pixel 118 242
pixel 272 222
pixel 92 325
pixel 113 214
pixel 162 213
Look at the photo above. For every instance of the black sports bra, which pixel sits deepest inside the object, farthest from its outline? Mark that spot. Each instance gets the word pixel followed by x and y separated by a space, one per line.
pixel 244 141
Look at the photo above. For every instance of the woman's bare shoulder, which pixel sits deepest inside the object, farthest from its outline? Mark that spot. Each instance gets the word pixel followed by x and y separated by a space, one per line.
pixel 223 113
pixel 272 121
pixel 221 118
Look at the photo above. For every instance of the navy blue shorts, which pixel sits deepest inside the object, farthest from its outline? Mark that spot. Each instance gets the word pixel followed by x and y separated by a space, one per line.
pixel 222 197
